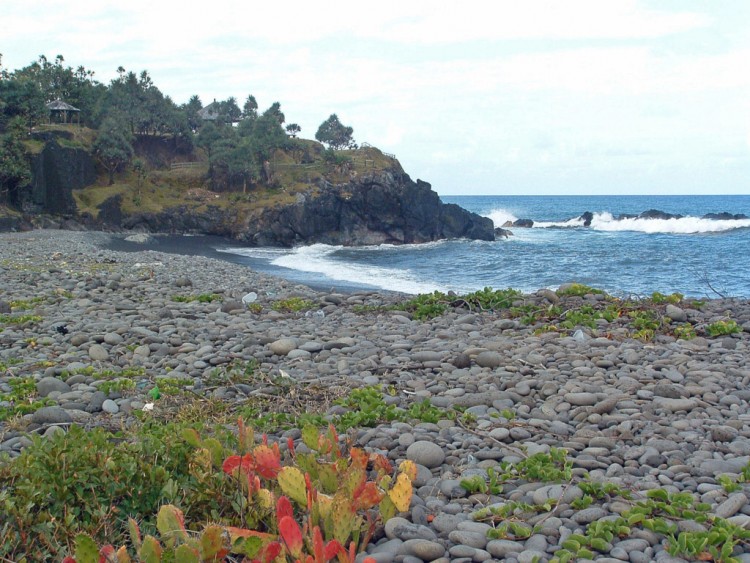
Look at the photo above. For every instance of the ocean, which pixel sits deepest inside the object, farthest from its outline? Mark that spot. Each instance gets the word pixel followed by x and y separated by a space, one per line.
pixel 626 257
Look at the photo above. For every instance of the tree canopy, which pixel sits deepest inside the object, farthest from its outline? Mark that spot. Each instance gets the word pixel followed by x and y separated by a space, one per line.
pixel 337 136
pixel 238 140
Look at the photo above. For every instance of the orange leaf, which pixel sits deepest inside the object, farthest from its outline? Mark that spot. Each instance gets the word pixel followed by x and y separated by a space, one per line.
pixel 270 552
pixel 381 464
pixel 234 463
pixel 292 535
pixel 368 496
pixel 359 458
pixel 106 554
pixel 267 461
pixel 283 508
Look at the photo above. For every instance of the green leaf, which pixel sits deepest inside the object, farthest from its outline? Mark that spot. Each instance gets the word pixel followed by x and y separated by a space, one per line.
pixel 310 437
pixel 150 551
pixel 86 549
pixel 186 554
pixel 191 436
pixel 171 524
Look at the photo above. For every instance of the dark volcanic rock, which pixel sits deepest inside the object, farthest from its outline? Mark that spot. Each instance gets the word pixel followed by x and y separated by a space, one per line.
pixel 587 218
pixel 384 207
pixel 502 233
pixel 57 171
pixel 523 223
pixel 656 214
pixel 724 216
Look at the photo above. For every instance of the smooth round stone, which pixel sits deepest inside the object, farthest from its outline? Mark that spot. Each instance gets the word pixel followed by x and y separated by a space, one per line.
pixel 113 338
pixel 426 356
pixel 504 548
pixel 588 515
pixel 446 523
pixel 142 351
pixel 426 550
pixel 675 313
pixel 109 406
pixel 312 347
pixel 472 539
pixel 489 359
pixel 98 353
pixel 530 556
pixel 499 434
pixel 581 399
pixel 283 346
pixel 406 440
pixel 731 506
pixel 48 385
pixel 51 415
pixel 723 433
pixel 426 453
pixel 294 354
pixel 462 551
pixel 401 528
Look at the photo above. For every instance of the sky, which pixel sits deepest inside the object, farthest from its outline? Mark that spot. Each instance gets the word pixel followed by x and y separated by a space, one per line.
pixel 480 97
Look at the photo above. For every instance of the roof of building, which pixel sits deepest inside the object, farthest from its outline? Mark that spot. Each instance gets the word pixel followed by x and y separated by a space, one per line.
pixel 59 105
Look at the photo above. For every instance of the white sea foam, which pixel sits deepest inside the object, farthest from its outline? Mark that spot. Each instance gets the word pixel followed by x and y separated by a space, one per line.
pixel 501 216
pixel 570 223
pixel 684 225
pixel 263 253
pixel 317 258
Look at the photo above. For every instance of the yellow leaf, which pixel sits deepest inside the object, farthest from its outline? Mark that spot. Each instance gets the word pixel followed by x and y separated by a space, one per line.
pixel 292 483
pixel 409 468
pixel 401 493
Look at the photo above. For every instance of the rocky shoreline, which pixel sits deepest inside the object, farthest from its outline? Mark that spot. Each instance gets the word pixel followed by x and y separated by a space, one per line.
pixel 667 414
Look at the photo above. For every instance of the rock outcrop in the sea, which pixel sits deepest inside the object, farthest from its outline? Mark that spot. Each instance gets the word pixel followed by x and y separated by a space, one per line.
pixel 385 207
pixel 380 208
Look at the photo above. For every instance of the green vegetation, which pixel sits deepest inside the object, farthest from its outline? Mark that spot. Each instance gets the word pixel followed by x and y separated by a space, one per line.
pixel 430 305
pixel 578 290
pixel 723 328
pixel 77 490
pixel 337 136
pixel 22 398
pixel 202 298
pixel 644 318
pixel 292 305
pixel 136 132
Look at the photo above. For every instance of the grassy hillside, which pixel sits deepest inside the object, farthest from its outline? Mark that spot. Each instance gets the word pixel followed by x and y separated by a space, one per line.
pixel 176 178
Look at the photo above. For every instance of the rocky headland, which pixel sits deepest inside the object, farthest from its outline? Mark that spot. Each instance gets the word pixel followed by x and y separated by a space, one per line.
pixel 633 416
pixel 366 199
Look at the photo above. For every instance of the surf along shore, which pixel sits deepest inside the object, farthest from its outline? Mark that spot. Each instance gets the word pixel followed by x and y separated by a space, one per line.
pixel 629 415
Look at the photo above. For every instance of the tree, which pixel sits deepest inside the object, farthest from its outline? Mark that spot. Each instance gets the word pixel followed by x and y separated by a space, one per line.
pixel 113 147
pixel 229 111
pixel 293 129
pixel 332 133
pixel 250 109
pixel 191 110
pixel 15 170
pixel 207 138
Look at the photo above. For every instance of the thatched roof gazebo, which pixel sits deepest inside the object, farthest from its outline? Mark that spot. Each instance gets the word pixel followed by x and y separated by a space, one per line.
pixel 59 109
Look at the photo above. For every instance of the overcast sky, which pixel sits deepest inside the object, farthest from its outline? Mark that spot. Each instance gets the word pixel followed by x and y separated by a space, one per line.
pixel 490 97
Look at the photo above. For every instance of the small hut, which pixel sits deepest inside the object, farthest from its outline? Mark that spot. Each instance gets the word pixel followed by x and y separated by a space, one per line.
pixel 210 112
pixel 62 112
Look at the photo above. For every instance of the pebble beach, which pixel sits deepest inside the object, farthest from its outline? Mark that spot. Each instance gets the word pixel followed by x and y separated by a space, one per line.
pixel 665 414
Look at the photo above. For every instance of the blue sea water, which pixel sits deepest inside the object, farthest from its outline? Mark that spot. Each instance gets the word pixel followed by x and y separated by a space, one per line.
pixel 694 256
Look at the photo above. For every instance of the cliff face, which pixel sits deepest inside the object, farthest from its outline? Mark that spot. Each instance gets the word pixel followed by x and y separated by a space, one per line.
pixel 56 171
pixel 384 207
pixel 379 206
